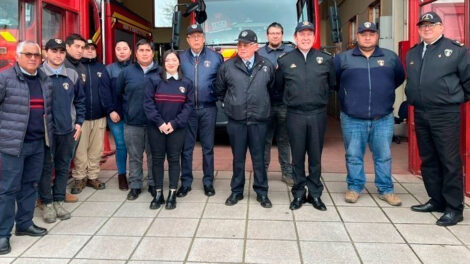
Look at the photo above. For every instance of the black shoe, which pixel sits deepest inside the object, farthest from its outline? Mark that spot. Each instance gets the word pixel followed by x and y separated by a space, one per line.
pixel 5 247
pixel 158 200
pixel 122 180
pixel 33 230
pixel 450 218
pixel 317 203
pixel 133 194
pixel 264 201
pixel 171 200
pixel 233 199
pixel 151 190
pixel 297 202
pixel 426 208
pixel 182 191
pixel 209 190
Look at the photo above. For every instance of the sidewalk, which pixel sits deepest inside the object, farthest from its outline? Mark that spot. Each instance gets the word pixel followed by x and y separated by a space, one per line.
pixel 106 228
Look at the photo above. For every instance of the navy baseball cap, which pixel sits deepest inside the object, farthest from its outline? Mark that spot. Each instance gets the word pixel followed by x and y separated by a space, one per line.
pixel 89 42
pixel 194 28
pixel 367 26
pixel 55 44
pixel 247 36
pixel 430 17
pixel 304 25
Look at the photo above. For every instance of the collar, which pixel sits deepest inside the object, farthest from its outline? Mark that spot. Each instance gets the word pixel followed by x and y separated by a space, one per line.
pixel 377 52
pixel 27 73
pixel 124 63
pixel 146 69
pixel 251 60
pixel 174 76
pixel 72 59
pixel 196 54
pixel 269 49
pixel 87 60
pixel 425 44
pixel 49 71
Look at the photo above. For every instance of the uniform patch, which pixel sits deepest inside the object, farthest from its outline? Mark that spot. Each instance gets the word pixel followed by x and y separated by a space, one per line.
pixel 244 34
pixel 207 63
pixel 412 62
pixel 319 60
pixel 83 77
pixel 99 74
pixel 367 24
pixel 66 86
pixel 293 66
pixel 448 52
pixel 381 62
pixel 265 68
pixel 182 89
pixel 427 17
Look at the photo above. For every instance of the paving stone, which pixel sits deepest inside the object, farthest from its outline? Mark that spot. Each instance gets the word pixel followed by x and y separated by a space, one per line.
pixel 58 246
pixel 109 247
pixel 221 228
pixel 78 225
pixel 322 231
pixel 328 252
pixel 374 232
pixel 126 226
pixel 386 253
pixel 406 216
pixel 277 212
pixel 162 248
pixel 221 211
pixel 216 250
pixel 19 244
pixel 427 234
pixel 362 214
pixel 364 200
pixel 258 229
pixel 184 210
pixel 438 254
pixel 173 227
pixel 41 261
pixel 136 210
pixel 272 251
pixel 96 209
pixel 308 213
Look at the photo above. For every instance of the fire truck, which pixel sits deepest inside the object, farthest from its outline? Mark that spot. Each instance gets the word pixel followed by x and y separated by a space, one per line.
pixel 456 19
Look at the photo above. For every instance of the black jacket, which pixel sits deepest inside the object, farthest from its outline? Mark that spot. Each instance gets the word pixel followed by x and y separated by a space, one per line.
pixel 306 82
pixel 77 65
pixel 245 96
pixel 441 79
pixel 114 69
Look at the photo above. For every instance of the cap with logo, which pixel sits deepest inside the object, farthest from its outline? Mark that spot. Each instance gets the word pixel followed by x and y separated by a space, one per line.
pixel 247 36
pixel 303 26
pixel 89 42
pixel 367 26
pixel 194 28
pixel 55 44
pixel 430 17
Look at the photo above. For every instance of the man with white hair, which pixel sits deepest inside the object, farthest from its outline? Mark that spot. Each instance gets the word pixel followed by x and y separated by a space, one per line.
pixel 25 128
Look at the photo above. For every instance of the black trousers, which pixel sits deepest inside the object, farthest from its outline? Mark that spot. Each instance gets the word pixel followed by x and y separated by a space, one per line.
pixel 170 145
pixel 306 133
pixel 252 136
pixel 438 136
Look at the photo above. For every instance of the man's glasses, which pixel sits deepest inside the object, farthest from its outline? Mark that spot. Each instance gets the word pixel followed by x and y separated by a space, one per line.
pixel 30 55
pixel 430 26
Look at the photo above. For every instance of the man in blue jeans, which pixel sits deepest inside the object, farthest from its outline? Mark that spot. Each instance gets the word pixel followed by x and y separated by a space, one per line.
pixel 367 77
pixel 200 65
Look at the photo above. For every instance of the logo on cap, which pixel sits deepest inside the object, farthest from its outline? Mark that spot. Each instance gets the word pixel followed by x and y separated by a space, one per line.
pixel 306 23
pixel 66 86
pixel 194 26
pixel 58 41
pixel 427 17
pixel 244 34
pixel 367 24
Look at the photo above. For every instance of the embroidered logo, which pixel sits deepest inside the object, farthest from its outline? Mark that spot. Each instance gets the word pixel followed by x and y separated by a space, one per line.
pixel 66 86
pixel 244 34
pixel 448 52
pixel 367 24
pixel 319 60
pixel 207 63
pixel 381 62
pixel 99 74
pixel 293 66
pixel 265 68
pixel 182 89
pixel 427 17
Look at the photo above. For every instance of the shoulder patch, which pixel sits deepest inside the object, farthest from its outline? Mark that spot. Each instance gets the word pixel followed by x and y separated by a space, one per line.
pixel 282 55
pixel 456 42
pixel 326 52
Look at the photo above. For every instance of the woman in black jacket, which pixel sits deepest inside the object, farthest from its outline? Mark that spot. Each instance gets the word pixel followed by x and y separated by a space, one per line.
pixel 167 104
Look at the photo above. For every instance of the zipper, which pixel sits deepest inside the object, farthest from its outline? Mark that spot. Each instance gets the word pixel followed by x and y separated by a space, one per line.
pixel 370 85
pixel 91 92
pixel 196 61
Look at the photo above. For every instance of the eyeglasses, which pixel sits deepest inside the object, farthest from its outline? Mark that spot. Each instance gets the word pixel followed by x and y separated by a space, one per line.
pixel 29 55
pixel 430 26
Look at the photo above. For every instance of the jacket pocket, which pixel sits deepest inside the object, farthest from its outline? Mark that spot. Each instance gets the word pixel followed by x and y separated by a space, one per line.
pixel 451 89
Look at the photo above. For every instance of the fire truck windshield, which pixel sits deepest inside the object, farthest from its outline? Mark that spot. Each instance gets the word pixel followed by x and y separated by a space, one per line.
pixel 9 14
pixel 226 18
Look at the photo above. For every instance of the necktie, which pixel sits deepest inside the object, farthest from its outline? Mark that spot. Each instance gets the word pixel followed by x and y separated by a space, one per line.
pixel 424 50
pixel 196 59
pixel 248 65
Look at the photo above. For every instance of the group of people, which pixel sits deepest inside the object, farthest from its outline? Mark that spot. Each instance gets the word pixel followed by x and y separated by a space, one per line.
pixel 54 112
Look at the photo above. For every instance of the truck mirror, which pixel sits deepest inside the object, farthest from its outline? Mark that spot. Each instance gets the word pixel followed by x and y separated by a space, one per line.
pixel 335 24
pixel 175 37
pixel 201 16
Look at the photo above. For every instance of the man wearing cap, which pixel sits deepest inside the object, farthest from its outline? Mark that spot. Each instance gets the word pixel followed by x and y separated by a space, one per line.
pixel 277 120
pixel 200 65
pixel 308 75
pixel 243 85
pixel 68 106
pixel 99 104
pixel 366 78
pixel 438 83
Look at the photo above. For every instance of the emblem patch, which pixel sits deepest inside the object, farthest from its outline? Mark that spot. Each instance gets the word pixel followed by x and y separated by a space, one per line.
pixel 99 74
pixel 293 66
pixel 265 68
pixel 319 60
pixel 448 52
pixel 427 17
pixel 66 86
pixel 244 33
pixel 306 23
pixel 83 77
pixel 381 62
pixel 58 41
pixel 194 26
pixel 182 89
pixel 207 63
pixel 367 24
pixel 412 62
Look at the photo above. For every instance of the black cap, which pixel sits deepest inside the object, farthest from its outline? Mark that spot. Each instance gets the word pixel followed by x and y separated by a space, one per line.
pixel 367 26
pixel 194 28
pixel 89 42
pixel 304 25
pixel 247 36
pixel 55 44
pixel 430 17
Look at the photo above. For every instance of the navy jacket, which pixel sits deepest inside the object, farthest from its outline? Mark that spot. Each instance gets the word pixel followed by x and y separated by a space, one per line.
pixel 202 74
pixel 68 99
pixel 169 101
pixel 130 86
pixel 98 98
pixel 14 109
pixel 367 85
pixel 114 69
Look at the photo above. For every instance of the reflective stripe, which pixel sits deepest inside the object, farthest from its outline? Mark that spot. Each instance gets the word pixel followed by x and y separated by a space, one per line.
pixel 8 36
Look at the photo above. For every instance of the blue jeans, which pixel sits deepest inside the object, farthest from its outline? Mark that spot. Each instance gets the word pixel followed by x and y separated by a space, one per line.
pixel 19 177
pixel 121 152
pixel 378 134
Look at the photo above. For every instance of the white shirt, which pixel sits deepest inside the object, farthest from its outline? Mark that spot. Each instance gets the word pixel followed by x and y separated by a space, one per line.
pixel 175 76
pixel 426 45
pixel 27 73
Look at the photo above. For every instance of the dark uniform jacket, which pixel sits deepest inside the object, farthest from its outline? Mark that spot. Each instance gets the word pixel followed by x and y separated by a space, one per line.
pixel 366 86
pixel 114 69
pixel 246 96
pixel 441 79
pixel 15 109
pixel 306 82
pixel 202 74
pixel 77 65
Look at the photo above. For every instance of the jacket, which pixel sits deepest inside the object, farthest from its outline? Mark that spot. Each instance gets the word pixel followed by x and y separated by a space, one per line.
pixel 246 96
pixel 15 108
pixel 114 69
pixel 367 85
pixel 202 73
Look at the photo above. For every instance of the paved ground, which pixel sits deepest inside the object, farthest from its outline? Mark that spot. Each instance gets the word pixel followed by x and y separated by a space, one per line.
pixel 105 228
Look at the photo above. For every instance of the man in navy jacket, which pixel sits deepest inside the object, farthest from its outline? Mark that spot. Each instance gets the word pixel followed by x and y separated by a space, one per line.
pixel 367 77
pixel 200 64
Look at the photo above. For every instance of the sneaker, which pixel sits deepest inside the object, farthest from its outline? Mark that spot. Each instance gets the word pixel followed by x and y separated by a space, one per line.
pixel 77 186
pixel 391 199
pixel 96 184
pixel 70 198
pixel 62 214
pixel 288 180
pixel 351 196
pixel 48 213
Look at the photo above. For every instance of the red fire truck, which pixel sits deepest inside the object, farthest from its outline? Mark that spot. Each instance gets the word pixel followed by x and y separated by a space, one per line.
pixel 456 19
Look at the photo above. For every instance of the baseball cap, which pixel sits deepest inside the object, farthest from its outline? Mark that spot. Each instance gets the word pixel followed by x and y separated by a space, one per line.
pixel 55 44
pixel 304 25
pixel 430 17
pixel 89 42
pixel 247 36
pixel 367 26
pixel 194 28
